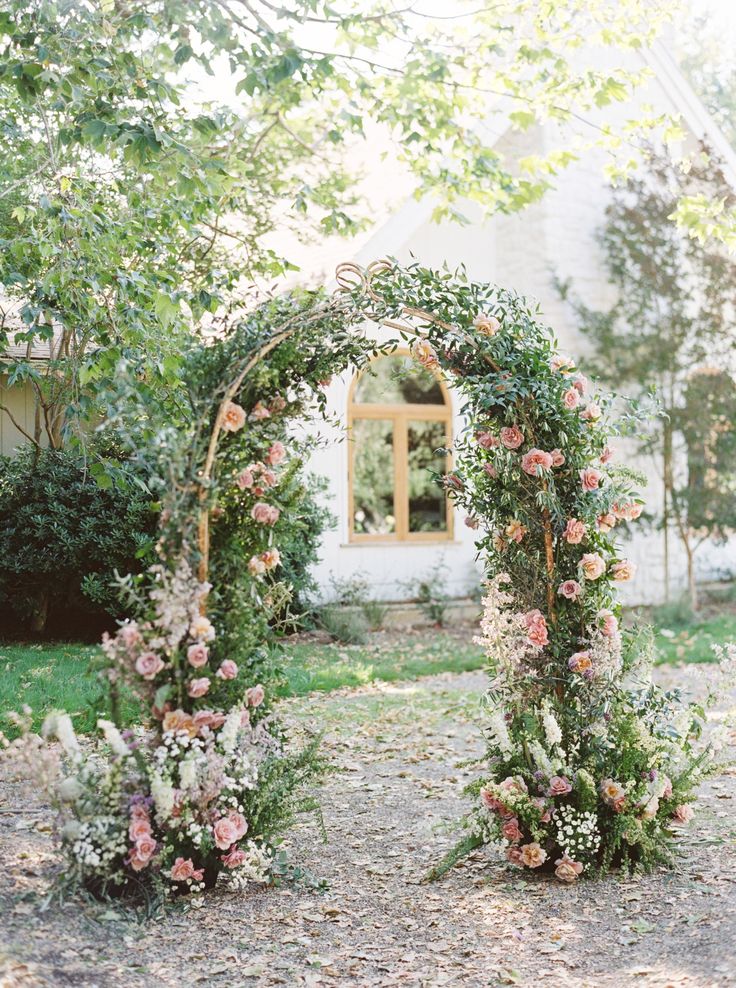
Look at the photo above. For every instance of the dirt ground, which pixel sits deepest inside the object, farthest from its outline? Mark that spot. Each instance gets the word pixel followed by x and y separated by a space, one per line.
pixel 398 752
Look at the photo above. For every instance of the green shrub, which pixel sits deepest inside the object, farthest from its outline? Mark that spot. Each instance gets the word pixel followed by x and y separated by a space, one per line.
pixel 63 536
pixel 347 625
pixel 375 613
pixel 676 614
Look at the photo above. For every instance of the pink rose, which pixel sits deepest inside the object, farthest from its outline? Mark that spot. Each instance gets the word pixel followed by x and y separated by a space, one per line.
pixel 260 412
pixel 580 384
pixel 606 455
pixel 471 522
pixel 608 623
pixel 181 870
pixel 558 458
pixel 233 417
pixel 571 398
pixel 139 827
pixel 454 482
pixel 545 809
pixel 278 404
pixel 228 670
pixel 204 718
pixel 580 662
pixel 239 823
pixel 234 858
pixel 198 687
pixel 623 571
pixel 276 453
pixel 142 852
pixel 683 813
pixel 512 437
pixel 129 634
pixel 197 655
pixel 513 854
pixel 591 412
pixel 245 479
pixel 490 801
pixel 666 787
pixel 255 695
pixel 574 531
pixel 570 589
pixel 567 870
pixel 149 665
pixel 268 477
pixel 593 565
pixel 537 628
pixel 265 514
pixel 559 786
pixel 486 440
pixel 535 461
pixel 511 831
pixel 225 833
pixel 590 479
pixel 606 522
pixel 490 470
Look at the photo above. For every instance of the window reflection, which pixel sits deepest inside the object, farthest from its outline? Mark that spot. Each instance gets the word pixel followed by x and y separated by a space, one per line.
pixel 427 504
pixel 373 477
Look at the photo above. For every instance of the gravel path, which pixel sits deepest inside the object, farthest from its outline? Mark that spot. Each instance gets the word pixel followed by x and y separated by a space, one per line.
pixel 398 751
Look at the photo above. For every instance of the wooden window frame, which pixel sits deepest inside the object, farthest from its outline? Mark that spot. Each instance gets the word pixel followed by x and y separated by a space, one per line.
pixel 399 415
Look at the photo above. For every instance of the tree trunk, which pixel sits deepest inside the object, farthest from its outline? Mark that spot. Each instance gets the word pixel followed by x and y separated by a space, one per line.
pixel 666 472
pixel 691 585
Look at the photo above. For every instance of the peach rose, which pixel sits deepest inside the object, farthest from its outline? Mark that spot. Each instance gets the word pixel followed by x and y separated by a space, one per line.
pixel 574 531
pixel 260 412
pixel 561 364
pixel 567 870
pixel 606 455
pixel 233 417
pixel 149 665
pixel 570 589
pixel 239 822
pixel 197 655
pixel 606 522
pixel 591 412
pixel 571 398
pixel 271 558
pixel 228 670
pixel 178 720
pixel 198 687
pixel 533 855
pixel 511 831
pixel 201 628
pixel 143 851
pixel 256 566
pixel 593 565
pixel 613 794
pixel 512 437
pixel 683 813
pixel 255 695
pixel 278 404
pixel 514 855
pixel 558 458
pixel 623 570
pixel 276 453
pixel 535 461
pixel 486 325
pixel 580 384
pixel 472 522
pixel 423 352
pixel 515 531
pixel 580 662
pixel 590 479
pixel 265 514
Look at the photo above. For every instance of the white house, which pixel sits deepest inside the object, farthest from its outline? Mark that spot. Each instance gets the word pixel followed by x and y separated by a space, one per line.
pixel 405 540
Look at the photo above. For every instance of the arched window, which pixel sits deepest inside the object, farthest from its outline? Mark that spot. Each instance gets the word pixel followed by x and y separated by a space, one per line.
pixel 399 416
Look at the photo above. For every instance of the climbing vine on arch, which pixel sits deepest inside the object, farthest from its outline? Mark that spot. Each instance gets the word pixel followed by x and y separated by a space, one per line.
pixel 583 769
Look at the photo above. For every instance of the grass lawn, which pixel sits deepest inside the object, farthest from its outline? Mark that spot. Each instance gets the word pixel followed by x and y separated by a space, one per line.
pixel 48 677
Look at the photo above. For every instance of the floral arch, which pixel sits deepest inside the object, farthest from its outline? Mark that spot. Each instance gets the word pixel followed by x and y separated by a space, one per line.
pixel 587 766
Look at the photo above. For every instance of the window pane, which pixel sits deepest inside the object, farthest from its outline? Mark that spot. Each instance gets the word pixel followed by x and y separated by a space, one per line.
pixel 397 380
pixel 373 477
pixel 427 504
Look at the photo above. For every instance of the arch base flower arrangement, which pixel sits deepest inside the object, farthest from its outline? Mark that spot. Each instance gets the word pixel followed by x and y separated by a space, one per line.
pixel 588 764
